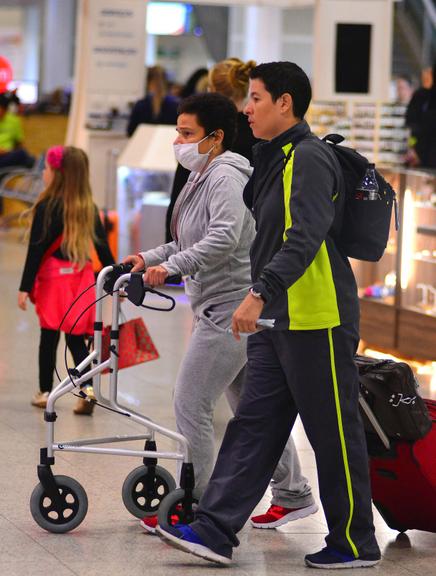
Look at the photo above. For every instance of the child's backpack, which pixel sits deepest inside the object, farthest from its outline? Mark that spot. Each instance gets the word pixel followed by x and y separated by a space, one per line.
pixel 364 229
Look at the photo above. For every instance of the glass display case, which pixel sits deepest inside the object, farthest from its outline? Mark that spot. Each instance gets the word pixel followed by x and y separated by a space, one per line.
pixel 417 314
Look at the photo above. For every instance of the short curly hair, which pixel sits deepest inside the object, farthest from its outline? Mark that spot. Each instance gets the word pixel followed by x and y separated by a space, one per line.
pixel 213 111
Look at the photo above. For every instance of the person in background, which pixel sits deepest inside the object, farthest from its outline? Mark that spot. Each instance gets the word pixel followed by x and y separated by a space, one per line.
pixel 305 364
pixel 12 152
pixel 421 120
pixel 195 84
pixel 65 224
pixel 403 89
pixel 427 77
pixel 230 77
pixel 158 106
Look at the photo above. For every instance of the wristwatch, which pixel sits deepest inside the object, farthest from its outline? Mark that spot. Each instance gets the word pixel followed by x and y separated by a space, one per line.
pixel 257 295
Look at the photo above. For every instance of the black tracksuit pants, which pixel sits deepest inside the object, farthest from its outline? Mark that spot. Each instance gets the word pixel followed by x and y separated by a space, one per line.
pixel 311 373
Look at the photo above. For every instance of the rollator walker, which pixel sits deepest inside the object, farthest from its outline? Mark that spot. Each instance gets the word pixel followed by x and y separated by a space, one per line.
pixel 59 503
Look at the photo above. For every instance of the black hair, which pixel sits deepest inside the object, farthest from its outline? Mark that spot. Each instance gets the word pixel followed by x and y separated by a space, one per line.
pixel 4 101
pixel 190 86
pixel 213 111
pixel 285 77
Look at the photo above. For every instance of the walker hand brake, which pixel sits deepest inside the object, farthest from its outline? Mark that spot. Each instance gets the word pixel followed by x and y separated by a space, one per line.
pixel 136 290
pixel 117 271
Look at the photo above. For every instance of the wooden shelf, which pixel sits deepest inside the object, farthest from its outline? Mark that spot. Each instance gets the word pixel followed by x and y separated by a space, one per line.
pixel 377 323
pixel 417 334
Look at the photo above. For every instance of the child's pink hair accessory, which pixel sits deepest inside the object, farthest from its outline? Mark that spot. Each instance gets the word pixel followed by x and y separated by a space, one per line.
pixel 55 155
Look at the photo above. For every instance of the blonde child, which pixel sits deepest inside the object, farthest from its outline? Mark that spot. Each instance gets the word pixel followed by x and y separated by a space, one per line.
pixel 65 225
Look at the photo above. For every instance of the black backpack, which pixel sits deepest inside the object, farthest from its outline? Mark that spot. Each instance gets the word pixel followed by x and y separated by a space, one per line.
pixel 363 231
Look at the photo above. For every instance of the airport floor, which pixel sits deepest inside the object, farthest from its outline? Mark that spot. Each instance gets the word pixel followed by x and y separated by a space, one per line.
pixel 110 540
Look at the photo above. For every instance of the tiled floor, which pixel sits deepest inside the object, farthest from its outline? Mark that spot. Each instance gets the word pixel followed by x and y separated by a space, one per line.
pixel 110 541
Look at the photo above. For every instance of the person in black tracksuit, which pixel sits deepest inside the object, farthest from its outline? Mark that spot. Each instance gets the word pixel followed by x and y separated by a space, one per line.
pixel 305 364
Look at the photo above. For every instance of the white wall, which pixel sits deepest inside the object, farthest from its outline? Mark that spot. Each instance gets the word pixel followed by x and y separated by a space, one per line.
pixel 286 33
pixel 181 55
pixel 297 37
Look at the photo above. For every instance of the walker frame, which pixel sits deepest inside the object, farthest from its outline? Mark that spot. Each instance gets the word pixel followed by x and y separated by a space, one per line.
pixel 59 503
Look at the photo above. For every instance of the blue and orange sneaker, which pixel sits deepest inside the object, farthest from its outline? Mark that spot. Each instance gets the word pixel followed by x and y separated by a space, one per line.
pixel 328 558
pixel 183 537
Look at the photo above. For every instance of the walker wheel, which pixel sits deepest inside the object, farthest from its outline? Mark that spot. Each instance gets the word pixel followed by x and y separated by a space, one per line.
pixel 175 510
pixel 74 506
pixel 138 498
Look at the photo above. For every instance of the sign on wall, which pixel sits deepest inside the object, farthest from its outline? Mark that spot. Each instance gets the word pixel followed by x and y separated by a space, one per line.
pixel 115 61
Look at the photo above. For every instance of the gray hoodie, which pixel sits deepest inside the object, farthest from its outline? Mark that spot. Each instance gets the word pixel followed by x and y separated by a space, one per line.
pixel 214 234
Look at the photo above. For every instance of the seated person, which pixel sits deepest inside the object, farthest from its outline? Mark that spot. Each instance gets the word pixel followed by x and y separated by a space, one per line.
pixel 11 137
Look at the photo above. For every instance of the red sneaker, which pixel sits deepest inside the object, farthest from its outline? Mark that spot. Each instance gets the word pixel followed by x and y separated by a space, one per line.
pixel 276 516
pixel 149 523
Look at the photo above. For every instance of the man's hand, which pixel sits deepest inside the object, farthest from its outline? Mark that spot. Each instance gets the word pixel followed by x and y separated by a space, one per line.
pixel 136 260
pixel 155 275
pixel 246 315
pixel 22 300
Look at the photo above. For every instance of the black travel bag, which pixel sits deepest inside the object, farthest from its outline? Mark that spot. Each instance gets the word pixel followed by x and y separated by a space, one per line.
pixel 391 391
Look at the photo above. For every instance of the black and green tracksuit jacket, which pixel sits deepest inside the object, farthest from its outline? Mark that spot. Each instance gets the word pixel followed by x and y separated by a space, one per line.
pixel 295 195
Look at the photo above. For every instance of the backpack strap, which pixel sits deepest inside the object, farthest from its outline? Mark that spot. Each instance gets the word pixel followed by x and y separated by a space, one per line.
pixel 52 248
pixel 333 138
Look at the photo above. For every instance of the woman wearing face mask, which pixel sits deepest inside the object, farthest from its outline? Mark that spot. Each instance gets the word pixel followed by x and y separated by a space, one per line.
pixel 213 232
pixel 230 78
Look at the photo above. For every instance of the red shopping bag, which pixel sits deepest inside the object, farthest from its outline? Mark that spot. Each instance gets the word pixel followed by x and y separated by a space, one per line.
pixel 135 344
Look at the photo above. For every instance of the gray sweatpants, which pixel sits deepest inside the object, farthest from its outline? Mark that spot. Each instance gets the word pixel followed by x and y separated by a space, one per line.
pixel 214 364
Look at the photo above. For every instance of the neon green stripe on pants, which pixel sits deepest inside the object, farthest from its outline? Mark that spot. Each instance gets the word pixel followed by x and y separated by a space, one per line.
pixel 343 445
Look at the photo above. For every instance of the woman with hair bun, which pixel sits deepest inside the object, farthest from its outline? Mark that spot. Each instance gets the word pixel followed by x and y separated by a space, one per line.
pixel 230 78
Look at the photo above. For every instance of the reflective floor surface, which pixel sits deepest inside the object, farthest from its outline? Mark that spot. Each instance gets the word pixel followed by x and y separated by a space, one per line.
pixel 110 540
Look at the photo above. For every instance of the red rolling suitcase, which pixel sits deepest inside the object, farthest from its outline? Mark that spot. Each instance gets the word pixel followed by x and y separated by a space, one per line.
pixel 403 481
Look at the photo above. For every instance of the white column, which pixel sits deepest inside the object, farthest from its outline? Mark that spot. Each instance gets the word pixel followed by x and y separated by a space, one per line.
pixel 31 43
pixel 263 33
pixel 57 44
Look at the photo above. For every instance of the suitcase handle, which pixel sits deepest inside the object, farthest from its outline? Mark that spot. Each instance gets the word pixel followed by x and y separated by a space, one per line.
pixel 375 423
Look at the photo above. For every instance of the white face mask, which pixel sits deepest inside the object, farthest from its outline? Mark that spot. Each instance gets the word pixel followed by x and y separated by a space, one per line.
pixel 189 157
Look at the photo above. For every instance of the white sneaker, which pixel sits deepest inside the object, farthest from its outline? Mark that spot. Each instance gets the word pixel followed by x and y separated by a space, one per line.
pixel 40 399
